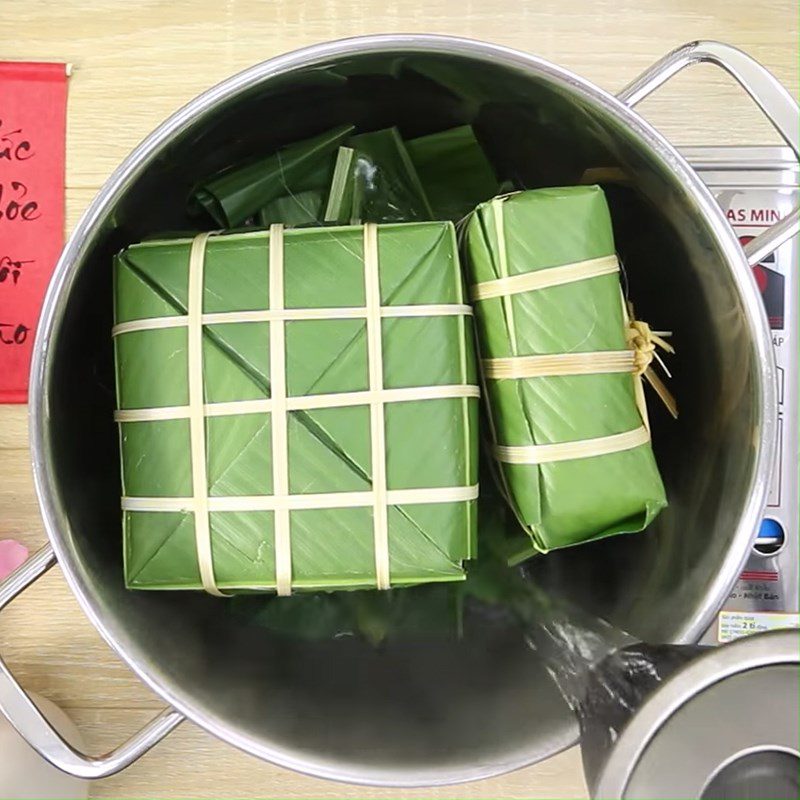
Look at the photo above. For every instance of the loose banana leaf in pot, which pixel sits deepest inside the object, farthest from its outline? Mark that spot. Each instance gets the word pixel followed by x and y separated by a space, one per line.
pixel 379 177
pixel 416 612
pixel 294 210
pixel 454 171
pixel 430 443
pixel 385 184
pixel 559 503
pixel 339 205
pixel 241 191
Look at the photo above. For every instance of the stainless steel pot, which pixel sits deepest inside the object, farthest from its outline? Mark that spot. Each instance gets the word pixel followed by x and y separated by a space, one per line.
pixel 413 714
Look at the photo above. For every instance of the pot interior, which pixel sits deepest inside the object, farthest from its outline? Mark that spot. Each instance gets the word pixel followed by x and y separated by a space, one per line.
pixel 416 712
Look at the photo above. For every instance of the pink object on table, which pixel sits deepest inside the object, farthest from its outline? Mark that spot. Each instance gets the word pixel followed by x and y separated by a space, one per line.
pixel 12 554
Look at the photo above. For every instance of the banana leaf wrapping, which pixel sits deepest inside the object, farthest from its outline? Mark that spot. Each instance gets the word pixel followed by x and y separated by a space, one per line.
pixel 353 298
pixel 575 497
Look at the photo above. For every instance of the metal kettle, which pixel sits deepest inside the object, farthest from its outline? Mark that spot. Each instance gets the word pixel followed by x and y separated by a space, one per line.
pixel 695 722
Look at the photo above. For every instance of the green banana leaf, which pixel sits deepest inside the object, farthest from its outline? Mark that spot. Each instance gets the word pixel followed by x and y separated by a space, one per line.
pixel 416 612
pixel 339 207
pixel 294 210
pixel 238 193
pixel 379 178
pixel 439 176
pixel 429 443
pixel 567 502
pixel 453 170
pixel 386 186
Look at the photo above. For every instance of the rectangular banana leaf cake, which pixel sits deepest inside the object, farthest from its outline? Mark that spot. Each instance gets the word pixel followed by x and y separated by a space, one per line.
pixel 569 429
pixel 297 409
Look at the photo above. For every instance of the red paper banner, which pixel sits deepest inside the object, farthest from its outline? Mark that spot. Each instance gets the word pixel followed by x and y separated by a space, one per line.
pixel 33 105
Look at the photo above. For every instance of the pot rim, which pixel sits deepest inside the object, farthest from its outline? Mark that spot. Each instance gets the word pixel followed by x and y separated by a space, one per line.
pixel 140 159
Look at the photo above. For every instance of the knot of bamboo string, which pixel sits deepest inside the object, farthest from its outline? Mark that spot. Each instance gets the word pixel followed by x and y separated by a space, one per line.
pixel 643 341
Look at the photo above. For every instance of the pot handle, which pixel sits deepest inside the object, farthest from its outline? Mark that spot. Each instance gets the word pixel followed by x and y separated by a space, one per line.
pixel 780 108
pixel 33 726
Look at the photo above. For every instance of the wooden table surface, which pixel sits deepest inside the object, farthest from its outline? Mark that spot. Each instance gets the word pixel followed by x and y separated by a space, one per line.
pixel 135 63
